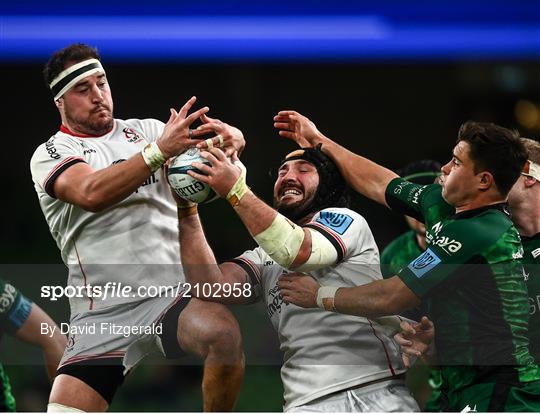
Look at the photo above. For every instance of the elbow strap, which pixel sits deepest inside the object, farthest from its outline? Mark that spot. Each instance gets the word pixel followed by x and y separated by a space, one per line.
pixel 281 240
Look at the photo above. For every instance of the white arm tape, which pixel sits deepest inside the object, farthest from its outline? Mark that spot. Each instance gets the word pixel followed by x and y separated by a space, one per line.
pixel 281 240
pixel 323 253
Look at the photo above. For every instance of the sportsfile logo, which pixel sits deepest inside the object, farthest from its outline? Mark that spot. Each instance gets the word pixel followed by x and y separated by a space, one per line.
pixel 424 263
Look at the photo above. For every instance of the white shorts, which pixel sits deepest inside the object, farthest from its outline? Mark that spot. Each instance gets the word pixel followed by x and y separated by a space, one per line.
pixel 386 396
pixel 129 331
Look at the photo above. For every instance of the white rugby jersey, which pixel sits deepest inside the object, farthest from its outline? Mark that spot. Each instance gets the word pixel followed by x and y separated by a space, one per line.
pixel 325 352
pixel 128 243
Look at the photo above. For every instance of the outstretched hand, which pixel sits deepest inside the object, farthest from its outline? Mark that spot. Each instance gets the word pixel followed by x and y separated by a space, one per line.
pixel 176 137
pixel 221 174
pixel 299 289
pixel 228 137
pixel 415 339
pixel 298 128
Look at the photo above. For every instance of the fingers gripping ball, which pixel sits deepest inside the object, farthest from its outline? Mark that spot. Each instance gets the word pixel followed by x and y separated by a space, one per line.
pixel 185 186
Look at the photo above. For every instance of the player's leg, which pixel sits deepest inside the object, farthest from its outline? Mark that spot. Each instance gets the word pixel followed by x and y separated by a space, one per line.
pixel 86 387
pixel 210 331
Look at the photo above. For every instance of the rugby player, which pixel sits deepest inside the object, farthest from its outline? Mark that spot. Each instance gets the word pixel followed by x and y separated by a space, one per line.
pixel 523 201
pixel 23 319
pixel 332 362
pixel 104 195
pixel 470 272
pixel 424 384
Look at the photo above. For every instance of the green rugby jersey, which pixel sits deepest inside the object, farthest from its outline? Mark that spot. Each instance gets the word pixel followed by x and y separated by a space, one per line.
pixel 531 262
pixel 476 288
pixel 399 253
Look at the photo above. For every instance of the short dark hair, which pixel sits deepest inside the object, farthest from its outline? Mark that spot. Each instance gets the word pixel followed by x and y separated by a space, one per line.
pixel 74 53
pixel 495 149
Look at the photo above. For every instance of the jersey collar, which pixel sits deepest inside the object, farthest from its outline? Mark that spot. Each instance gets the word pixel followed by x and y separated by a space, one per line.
pixel 502 207
pixel 66 130
pixel 535 237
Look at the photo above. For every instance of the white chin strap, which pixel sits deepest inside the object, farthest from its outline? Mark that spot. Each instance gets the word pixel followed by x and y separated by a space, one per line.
pixel 70 76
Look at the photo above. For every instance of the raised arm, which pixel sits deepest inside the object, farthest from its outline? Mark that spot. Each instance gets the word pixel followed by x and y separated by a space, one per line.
pixel 95 190
pixel 363 175
pixel 200 264
pixel 288 244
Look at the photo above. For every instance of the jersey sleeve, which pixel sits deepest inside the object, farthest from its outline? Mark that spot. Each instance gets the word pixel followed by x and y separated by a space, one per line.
pixel 51 159
pixel 345 229
pixel 417 201
pixel 458 244
pixel 14 308
pixel 251 261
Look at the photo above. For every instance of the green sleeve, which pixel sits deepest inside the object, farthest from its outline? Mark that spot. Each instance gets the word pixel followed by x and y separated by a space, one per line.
pixel 422 202
pixel 457 244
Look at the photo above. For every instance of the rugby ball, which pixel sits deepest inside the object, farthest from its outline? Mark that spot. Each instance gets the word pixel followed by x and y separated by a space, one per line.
pixel 186 186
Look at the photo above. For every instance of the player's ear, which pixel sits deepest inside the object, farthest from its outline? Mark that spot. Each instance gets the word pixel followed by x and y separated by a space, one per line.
pixel 59 103
pixel 486 180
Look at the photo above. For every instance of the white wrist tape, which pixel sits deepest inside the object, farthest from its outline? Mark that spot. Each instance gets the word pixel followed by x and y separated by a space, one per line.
pixel 323 253
pixel 240 188
pixel 153 157
pixel 281 241
pixel 60 408
pixel 326 296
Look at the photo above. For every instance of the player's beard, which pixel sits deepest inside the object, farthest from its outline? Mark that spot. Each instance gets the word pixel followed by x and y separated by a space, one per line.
pixel 98 122
pixel 297 210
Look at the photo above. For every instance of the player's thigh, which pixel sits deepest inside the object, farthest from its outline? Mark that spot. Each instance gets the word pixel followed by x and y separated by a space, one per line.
pixel 203 326
pixel 73 392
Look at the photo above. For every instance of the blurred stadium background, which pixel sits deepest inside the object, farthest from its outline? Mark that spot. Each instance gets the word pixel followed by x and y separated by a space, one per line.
pixel 389 79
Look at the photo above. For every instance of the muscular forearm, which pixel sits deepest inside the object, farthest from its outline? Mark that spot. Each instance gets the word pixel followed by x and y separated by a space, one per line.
pixel 197 257
pixel 256 215
pixel 378 298
pixel 363 175
pixel 99 189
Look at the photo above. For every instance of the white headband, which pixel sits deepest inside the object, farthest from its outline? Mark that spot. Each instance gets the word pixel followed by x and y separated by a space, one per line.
pixel 70 76
pixel 532 169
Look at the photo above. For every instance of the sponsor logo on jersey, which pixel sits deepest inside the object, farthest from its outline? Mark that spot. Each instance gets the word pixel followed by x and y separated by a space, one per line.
pixel 416 194
pixel 400 187
pixel 70 342
pixel 51 149
pixel 7 298
pixel 87 150
pixel 275 301
pixel 424 263
pixel 336 221
pixel 151 180
pixel 525 274
pixel 268 263
pixel 448 245
pixel 132 135
pixel 535 253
